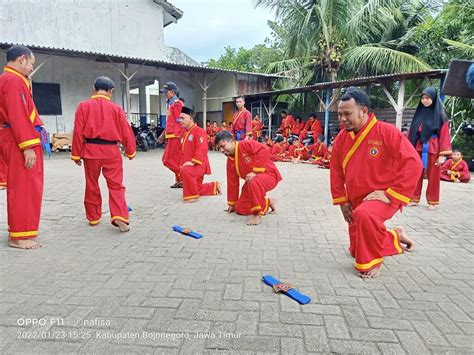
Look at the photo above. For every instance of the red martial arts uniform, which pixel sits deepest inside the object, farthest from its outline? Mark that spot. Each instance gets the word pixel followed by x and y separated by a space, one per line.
pixel 242 124
pixel 317 129
pixel 319 152
pixel 286 126
pixel 459 171
pixel 19 125
pixel 257 127
pixel 173 134
pixel 277 152
pixel 98 128
pixel 251 156
pixel 300 152
pixel 3 168
pixel 306 128
pixel 194 149
pixel 298 128
pixel 437 146
pixel 378 157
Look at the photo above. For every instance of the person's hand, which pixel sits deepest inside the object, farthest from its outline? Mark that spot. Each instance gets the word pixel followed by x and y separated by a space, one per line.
pixel 161 138
pixel 346 210
pixel 78 162
pixel 30 158
pixel 230 209
pixel 457 180
pixel 440 160
pixel 250 176
pixel 378 195
pixel 188 163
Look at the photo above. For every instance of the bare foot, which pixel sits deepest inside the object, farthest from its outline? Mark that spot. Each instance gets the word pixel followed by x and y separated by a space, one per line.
pixel 24 244
pixel 412 204
pixel 256 219
pixel 371 273
pixel 219 191
pixel 404 239
pixel 432 207
pixel 192 200
pixel 124 227
pixel 3 188
pixel 273 205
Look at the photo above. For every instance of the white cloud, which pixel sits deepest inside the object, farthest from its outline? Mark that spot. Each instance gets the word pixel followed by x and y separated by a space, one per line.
pixel 207 26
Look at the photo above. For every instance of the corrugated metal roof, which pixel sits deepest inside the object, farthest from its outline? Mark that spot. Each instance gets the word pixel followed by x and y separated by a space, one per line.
pixel 435 73
pixel 131 60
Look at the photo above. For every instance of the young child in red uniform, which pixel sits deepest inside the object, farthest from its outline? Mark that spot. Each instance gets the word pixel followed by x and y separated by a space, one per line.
pixel 99 127
pixel 249 160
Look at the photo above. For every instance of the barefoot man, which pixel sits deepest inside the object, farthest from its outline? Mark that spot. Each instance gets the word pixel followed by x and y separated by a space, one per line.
pixel 195 161
pixel 99 127
pixel 248 160
pixel 374 172
pixel 20 149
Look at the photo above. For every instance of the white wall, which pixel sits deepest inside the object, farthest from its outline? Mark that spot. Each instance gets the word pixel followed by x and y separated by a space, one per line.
pixel 223 86
pixel 123 27
pixel 75 78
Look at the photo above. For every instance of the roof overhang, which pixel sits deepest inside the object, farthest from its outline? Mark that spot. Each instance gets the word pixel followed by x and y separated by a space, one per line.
pixel 174 13
pixel 105 57
pixel 370 80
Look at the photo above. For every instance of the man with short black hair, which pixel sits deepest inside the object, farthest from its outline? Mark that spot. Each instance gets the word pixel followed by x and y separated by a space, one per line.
pixel 374 172
pixel 248 160
pixel 195 160
pixel 173 132
pixel 455 169
pixel 21 151
pixel 242 121
pixel 100 125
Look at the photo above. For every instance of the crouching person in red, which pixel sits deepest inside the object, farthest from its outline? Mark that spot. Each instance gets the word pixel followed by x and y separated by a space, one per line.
pixel 249 160
pixel 195 161
pixel 99 127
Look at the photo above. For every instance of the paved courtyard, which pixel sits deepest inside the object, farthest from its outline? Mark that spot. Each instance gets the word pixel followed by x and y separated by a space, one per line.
pixel 94 290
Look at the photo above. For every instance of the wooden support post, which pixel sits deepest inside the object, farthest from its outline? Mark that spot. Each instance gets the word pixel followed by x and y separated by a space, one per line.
pixel 326 115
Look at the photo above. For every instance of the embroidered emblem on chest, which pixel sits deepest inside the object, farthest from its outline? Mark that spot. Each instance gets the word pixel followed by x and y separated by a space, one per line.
pixel 247 159
pixel 374 152
pixel 190 138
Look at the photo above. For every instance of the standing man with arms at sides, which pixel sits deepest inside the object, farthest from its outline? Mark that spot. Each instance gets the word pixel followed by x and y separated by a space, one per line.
pixel 195 161
pixel 173 132
pixel 429 134
pixel 21 149
pixel 249 160
pixel 242 122
pixel 374 171
pixel 99 126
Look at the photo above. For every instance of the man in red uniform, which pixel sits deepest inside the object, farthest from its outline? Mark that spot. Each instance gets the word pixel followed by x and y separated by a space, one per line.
pixel 249 160
pixel 278 149
pixel 173 132
pixel 455 169
pixel 242 121
pixel 287 124
pixel 297 152
pixel 98 128
pixel 20 149
pixel 298 127
pixel 257 127
pixel 319 150
pixel 195 161
pixel 374 171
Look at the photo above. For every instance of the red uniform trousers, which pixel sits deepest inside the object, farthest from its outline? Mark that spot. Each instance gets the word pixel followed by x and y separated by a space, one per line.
pixel 112 170
pixel 24 192
pixel 172 156
pixel 193 187
pixel 433 174
pixel 370 240
pixel 253 198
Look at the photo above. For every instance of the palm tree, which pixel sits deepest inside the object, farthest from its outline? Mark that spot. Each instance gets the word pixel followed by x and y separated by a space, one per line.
pixel 323 39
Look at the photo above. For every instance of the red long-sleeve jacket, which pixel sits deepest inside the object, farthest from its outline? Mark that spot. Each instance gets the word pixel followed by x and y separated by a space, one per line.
pixel 194 146
pixel 250 156
pixel 101 118
pixel 378 157
pixel 18 111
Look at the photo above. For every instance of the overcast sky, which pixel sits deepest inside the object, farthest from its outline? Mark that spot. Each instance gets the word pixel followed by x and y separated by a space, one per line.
pixel 207 26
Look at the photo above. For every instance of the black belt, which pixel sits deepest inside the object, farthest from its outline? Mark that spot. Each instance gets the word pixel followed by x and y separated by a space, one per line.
pixel 100 141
